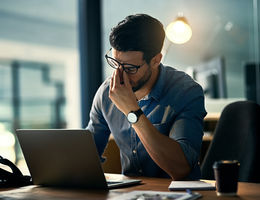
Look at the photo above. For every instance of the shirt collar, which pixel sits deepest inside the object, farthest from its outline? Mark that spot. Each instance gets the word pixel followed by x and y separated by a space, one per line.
pixel 158 87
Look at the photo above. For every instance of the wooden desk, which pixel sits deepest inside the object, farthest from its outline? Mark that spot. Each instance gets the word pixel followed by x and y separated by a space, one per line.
pixel 246 191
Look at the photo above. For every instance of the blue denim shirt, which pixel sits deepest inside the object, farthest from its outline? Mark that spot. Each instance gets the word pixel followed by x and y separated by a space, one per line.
pixel 175 106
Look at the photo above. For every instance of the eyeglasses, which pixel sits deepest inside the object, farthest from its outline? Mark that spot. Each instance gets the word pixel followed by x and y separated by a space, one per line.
pixel 128 68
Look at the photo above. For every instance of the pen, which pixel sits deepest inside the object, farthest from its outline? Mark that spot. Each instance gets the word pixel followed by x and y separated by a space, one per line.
pixel 188 191
pixel 192 196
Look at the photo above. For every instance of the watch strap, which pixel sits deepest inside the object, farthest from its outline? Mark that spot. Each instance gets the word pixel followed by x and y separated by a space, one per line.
pixel 138 112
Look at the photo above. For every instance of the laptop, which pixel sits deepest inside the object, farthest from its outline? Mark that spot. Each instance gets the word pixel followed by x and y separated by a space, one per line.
pixel 66 158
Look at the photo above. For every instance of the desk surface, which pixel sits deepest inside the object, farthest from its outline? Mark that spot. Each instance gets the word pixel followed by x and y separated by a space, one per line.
pixel 246 191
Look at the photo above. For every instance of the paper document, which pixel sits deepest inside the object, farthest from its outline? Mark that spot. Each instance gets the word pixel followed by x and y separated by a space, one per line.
pixel 192 185
pixel 156 195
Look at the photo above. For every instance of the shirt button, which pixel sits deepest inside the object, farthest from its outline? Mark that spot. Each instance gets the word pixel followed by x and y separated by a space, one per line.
pixel 134 151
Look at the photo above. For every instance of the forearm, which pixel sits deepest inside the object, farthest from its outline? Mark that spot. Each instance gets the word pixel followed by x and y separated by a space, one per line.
pixel 166 152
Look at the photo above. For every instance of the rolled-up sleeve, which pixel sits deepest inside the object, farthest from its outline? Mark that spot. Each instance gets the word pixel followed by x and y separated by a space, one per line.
pixel 97 124
pixel 187 128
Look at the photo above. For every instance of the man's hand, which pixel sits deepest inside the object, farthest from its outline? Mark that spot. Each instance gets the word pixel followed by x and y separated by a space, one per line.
pixel 122 95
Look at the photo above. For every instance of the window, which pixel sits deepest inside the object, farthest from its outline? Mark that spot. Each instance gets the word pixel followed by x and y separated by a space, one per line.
pixel 39 68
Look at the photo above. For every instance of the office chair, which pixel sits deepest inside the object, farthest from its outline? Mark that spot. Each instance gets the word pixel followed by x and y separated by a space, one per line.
pixel 236 137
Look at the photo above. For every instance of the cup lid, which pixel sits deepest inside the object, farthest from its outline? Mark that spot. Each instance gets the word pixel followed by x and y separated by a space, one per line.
pixel 221 163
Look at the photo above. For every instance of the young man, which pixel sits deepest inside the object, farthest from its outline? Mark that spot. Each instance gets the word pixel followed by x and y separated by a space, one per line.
pixel 155 113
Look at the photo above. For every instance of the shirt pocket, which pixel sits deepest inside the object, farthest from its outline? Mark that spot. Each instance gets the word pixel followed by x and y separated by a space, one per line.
pixel 160 115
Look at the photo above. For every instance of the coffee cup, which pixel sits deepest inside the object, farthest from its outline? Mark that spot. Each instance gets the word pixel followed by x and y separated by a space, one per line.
pixel 226 175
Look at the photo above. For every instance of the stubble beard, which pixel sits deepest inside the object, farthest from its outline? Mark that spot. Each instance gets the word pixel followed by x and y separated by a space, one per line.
pixel 143 80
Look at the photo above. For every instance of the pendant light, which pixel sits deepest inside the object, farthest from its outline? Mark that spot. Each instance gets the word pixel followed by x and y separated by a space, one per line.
pixel 179 31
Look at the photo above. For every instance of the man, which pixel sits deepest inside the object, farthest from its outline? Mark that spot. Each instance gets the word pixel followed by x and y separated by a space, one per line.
pixel 155 113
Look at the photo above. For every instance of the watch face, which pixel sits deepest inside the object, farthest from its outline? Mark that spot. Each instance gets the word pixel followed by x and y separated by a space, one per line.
pixel 132 117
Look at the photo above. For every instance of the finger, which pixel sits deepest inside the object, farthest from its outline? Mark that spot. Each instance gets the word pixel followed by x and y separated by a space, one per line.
pixel 117 77
pixel 126 80
pixel 112 81
pixel 121 76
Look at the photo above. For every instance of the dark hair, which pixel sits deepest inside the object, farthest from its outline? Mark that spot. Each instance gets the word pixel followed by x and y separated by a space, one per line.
pixel 138 32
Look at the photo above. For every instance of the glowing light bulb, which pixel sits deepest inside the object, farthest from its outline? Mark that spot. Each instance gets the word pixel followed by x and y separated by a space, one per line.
pixel 179 31
pixel 7 142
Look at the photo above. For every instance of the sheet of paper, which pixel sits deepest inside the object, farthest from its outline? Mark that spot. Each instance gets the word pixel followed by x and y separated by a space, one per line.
pixel 145 194
pixel 192 185
pixel 118 177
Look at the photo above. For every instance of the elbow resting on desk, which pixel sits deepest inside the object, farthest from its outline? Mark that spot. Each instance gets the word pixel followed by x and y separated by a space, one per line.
pixel 181 169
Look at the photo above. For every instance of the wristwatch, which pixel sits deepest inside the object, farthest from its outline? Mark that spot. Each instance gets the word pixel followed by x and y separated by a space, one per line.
pixel 133 116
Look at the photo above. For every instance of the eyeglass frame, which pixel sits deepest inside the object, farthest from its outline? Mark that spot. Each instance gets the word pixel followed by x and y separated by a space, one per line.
pixel 122 64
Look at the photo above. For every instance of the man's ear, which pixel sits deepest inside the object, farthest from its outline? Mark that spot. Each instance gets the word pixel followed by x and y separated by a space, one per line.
pixel 156 60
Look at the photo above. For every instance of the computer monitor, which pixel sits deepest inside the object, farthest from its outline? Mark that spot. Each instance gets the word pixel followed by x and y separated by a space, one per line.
pixel 250 70
pixel 211 76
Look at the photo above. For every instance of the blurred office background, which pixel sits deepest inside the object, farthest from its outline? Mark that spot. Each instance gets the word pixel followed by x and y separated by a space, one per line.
pixel 44 50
